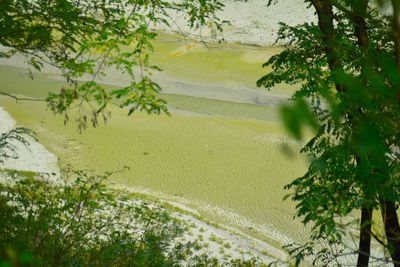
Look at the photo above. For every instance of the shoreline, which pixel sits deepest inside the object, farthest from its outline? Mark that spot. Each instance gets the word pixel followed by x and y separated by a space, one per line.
pixel 34 157
pixel 37 158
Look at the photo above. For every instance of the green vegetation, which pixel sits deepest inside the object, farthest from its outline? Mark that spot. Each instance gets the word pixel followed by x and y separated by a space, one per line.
pixel 188 157
pixel 79 221
pixel 15 81
pixel 229 160
pixel 84 38
pixel 215 63
pixel 173 157
pixel 173 160
pixel 19 134
pixel 348 66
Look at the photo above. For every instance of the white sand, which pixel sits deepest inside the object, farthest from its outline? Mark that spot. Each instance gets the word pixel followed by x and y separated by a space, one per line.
pixel 34 157
pixel 252 22
pixel 241 245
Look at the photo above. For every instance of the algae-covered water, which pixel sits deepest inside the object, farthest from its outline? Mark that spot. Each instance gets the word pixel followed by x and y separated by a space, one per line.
pixel 220 157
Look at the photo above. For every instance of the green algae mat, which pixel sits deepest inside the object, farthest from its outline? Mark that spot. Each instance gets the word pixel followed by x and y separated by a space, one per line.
pixel 221 158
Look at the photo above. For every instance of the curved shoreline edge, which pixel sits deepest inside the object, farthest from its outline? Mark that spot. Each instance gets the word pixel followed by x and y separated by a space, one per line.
pixel 37 158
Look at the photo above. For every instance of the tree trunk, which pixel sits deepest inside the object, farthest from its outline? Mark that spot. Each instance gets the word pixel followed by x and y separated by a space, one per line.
pixel 360 25
pixel 364 248
pixel 396 31
pixel 365 237
pixel 324 9
pixel 392 230
pixel 389 212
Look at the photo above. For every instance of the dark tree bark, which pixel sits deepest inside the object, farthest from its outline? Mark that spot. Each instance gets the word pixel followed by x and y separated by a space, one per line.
pixel 392 229
pixel 360 26
pixel 365 237
pixel 324 9
pixel 364 248
pixel 389 212
pixel 396 31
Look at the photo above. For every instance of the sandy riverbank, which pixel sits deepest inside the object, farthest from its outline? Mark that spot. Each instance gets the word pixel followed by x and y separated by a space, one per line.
pixel 251 21
pixel 34 157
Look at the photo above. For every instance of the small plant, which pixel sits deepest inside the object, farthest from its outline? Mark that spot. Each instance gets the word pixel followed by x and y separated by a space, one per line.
pixel 200 237
pixel 213 237
pixel 197 246
pixel 265 253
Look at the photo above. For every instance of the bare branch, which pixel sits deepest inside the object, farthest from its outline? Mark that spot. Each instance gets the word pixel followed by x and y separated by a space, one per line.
pixel 18 98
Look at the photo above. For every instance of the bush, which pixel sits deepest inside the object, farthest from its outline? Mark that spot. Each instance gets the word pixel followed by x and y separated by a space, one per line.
pixel 80 222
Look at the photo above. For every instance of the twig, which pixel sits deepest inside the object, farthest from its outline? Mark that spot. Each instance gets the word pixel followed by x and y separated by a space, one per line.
pixel 17 98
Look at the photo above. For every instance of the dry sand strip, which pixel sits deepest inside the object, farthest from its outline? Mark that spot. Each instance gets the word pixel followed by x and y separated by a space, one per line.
pixel 217 240
pixel 251 21
pixel 170 85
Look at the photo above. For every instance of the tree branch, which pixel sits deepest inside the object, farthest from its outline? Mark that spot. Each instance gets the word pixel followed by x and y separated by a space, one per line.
pixel 17 98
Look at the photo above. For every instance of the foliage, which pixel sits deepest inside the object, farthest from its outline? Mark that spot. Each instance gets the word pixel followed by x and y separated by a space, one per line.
pixel 10 138
pixel 80 223
pixel 349 94
pixel 78 220
pixel 81 39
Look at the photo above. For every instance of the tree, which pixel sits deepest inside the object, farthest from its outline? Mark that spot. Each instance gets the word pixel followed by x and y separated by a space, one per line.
pixel 348 66
pixel 76 220
pixel 43 224
pixel 80 221
pixel 83 38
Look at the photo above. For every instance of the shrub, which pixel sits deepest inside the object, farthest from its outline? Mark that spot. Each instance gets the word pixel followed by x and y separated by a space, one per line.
pixel 80 222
